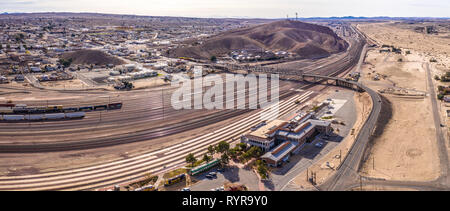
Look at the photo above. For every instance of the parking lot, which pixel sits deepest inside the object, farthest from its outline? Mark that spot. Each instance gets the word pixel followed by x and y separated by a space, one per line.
pixel 231 174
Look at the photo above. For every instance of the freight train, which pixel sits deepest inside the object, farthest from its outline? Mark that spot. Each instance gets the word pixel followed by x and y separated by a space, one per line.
pixel 9 108
pixel 40 117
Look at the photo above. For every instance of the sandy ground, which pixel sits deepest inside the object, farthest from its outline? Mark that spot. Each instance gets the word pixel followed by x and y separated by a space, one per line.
pixel 335 156
pixel 381 188
pixel 65 84
pixel 406 150
pixel 402 35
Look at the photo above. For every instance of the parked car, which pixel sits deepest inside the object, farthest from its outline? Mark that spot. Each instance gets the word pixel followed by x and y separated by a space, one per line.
pixel 319 145
pixel 186 189
pixel 211 175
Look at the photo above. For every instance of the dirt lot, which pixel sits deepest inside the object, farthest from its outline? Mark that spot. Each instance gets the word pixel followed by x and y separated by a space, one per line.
pixel 406 149
pixel 67 84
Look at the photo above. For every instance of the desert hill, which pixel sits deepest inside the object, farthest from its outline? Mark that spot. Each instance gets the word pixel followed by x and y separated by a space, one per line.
pixel 95 57
pixel 304 39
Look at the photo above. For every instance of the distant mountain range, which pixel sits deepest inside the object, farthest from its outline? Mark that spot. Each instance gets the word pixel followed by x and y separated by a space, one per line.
pixel 224 17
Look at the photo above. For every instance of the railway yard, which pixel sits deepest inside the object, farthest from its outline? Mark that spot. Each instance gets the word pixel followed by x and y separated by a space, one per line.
pixel 111 126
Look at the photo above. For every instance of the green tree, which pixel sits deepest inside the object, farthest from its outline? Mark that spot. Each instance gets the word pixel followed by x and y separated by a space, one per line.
pixel 262 169
pixel 224 158
pixel 233 153
pixel 211 150
pixel 223 147
pixel 213 58
pixel 206 158
pixel 242 146
pixel 254 152
pixel 190 158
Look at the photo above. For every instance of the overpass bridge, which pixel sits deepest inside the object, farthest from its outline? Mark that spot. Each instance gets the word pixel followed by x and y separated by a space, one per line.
pixel 297 75
pixel 331 80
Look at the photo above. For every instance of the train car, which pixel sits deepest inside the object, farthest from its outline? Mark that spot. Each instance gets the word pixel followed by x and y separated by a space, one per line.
pixel 174 180
pixel 100 107
pixel 54 108
pixel 21 105
pixel 86 108
pixel 13 117
pixel 21 110
pixel 114 106
pixel 10 105
pixel 34 117
pixel 146 188
pixel 75 115
pixel 6 110
pixel 56 116
pixel 36 110
pixel 67 110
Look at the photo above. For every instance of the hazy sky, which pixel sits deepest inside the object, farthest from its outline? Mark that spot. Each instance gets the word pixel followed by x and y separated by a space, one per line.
pixel 238 8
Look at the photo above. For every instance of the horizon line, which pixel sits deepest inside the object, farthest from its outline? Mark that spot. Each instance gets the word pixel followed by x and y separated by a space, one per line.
pixel 231 17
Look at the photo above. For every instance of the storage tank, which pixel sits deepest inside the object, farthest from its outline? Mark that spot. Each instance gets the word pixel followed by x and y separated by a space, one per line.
pixel 13 117
pixel 55 116
pixel 34 117
pixel 75 115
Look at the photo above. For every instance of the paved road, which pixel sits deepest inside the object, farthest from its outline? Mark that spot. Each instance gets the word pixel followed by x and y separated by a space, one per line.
pixel 347 172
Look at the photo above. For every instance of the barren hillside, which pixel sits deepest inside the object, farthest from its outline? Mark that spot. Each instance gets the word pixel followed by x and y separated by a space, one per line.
pixel 304 39
pixel 92 57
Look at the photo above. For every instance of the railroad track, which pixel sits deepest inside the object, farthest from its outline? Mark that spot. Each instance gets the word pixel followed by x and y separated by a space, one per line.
pixel 131 168
pixel 125 170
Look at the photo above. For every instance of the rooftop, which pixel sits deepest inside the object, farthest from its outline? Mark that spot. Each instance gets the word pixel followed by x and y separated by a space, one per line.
pixel 266 130
pixel 281 151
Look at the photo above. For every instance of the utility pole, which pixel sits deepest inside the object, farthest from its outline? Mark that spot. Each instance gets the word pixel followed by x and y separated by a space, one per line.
pixel 360 182
pixel 162 100
pixel 373 163
pixel 307 175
